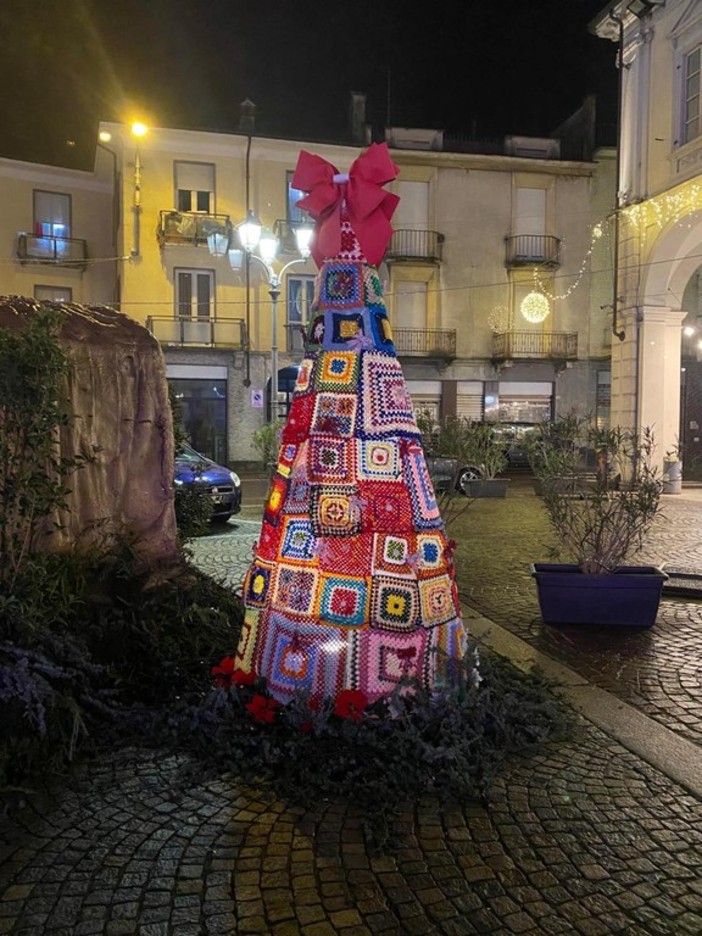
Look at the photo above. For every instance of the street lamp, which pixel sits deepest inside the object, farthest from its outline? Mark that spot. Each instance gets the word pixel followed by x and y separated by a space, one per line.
pixel 139 130
pixel 251 235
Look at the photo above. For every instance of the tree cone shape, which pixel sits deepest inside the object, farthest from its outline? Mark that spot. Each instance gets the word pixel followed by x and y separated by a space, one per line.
pixel 352 585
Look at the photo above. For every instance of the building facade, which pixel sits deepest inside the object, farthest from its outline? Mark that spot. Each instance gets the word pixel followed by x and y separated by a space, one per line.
pixel 495 278
pixel 656 379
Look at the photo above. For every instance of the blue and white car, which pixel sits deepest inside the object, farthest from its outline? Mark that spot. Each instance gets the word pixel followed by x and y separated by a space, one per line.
pixel 223 485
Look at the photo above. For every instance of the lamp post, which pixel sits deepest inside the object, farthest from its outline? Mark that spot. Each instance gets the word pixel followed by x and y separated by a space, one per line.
pixel 138 130
pixel 251 236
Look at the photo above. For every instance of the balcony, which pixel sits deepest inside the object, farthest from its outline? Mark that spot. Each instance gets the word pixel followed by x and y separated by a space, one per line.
pixel 416 246
pixel 437 343
pixel 207 333
pixel 190 228
pixel 548 346
pixel 285 232
pixel 532 249
pixel 56 251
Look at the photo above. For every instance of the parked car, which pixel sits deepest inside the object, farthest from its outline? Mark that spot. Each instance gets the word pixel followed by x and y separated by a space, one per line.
pixel 223 485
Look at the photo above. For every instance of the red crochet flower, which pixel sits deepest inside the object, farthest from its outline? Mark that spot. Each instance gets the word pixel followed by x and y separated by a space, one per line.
pixel 351 704
pixel 262 708
pixel 240 678
pixel 223 672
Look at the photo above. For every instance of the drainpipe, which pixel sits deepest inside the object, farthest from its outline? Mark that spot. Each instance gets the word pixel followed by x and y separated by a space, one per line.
pixel 247 271
pixel 621 335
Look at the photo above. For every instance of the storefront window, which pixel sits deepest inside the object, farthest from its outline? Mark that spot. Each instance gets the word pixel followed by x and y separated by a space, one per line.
pixel 204 410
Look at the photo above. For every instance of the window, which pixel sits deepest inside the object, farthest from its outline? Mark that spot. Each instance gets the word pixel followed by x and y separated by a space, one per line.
pixel 410 305
pixel 52 214
pixel 691 112
pixel 53 293
pixel 300 296
pixel 195 187
pixel 294 195
pixel 194 294
pixel 413 210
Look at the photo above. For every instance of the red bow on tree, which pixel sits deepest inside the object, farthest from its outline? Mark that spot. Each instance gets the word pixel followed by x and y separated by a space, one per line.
pixel 369 207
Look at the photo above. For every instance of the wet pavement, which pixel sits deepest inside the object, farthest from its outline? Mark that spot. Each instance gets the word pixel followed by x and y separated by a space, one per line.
pixel 586 837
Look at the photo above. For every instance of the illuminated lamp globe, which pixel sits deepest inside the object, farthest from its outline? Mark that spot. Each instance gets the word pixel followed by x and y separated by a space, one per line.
pixel 534 307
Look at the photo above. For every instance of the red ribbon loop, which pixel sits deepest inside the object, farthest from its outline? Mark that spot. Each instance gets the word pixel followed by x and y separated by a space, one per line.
pixel 369 207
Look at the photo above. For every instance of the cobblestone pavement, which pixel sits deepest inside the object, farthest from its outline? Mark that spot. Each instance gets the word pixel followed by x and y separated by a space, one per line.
pixel 582 838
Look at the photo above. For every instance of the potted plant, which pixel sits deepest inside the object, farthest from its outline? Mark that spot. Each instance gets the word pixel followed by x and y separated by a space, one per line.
pixel 600 525
pixel 672 469
pixel 478 450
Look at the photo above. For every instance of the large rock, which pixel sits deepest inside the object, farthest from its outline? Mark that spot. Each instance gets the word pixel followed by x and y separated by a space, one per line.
pixel 118 404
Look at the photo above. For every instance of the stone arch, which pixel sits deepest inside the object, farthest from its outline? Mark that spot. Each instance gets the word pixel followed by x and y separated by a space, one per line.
pixel 675 256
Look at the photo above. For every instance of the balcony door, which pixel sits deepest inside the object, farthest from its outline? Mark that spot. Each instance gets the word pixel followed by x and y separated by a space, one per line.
pixel 195 187
pixel 300 291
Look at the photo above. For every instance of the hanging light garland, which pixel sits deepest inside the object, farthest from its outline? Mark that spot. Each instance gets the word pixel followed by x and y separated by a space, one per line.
pixel 535 307
pixel 596 235
pixel 669 207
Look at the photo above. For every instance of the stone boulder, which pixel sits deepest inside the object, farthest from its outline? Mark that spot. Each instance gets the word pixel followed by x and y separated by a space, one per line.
pixel 118 406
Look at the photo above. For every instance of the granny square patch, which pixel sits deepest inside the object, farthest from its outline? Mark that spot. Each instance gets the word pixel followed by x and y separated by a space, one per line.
pixel 425 509
pixel 350 554
pixel 386 506
pixel 257 584
pixel 372 287
pixel 387 406
pixel 286 458
pixel 430 548
pixel 335 510
pixel 304 375
pixel 343 600
pixel 331 459
pixel 390 553
pixel 389 658
pixel 345 327
pixel 316 332
pixel 448 645
pixel 382 331
pixel 268 542
pixel 247 640
pixel 298 499
pixel 394 603
pixel 276 499
pixel 302 657
pixel 335 414
pixel 436 599
pixel 341 285
pixel 294 589
pixel 379 459
pixel 298 542
pixel 297 427
pixel 337 370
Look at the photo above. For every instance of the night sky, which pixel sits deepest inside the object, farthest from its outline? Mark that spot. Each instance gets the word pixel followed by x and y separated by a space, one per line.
pixel 484 68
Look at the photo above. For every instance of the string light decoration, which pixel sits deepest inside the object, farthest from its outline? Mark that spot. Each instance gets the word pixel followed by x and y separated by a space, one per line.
pixel 667 208
pixel 535 307
pixel 596 234
pixel 498 319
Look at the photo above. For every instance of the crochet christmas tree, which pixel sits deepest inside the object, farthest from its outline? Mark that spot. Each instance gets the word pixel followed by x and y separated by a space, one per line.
pixel 352 585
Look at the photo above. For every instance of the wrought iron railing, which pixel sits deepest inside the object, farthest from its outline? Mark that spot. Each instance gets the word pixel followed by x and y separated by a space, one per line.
pixel 216 332
pixel 59 251
pixel 424 342
pixel 562 346
pixel 526 249
pixel 191 228
pixel 425 246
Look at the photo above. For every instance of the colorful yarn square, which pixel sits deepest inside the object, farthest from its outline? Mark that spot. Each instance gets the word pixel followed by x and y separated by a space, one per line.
pixel 379 459
pixel 350 554
pixel 345 327
pixel 258 582
pixel 269 542
pixel 430 548
pixel 372 287
pixel 286 458
pixel 298 499
pixel 341 285
pixel 335 414
pixel 436 600
pixel 386 506
pixel 276 499
pixel 331 459
pixel 343 600
pixel 294 589
pixel 334 510
pixel 389 658
pixel 390 553
pixel 298 544
pixel 247 640
pixel 425 509
pixel 386 402
pixel 302 656
pixel 382 332
pixel 297 427
pixel 337 370
pixel 304 375
pixel 448 646
pixel 394 603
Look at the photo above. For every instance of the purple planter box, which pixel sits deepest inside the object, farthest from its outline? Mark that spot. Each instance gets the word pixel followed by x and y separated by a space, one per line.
pixel 628 597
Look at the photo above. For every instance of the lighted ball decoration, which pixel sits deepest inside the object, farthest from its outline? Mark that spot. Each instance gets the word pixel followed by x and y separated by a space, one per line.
pixel 498 319
pixel 535 307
